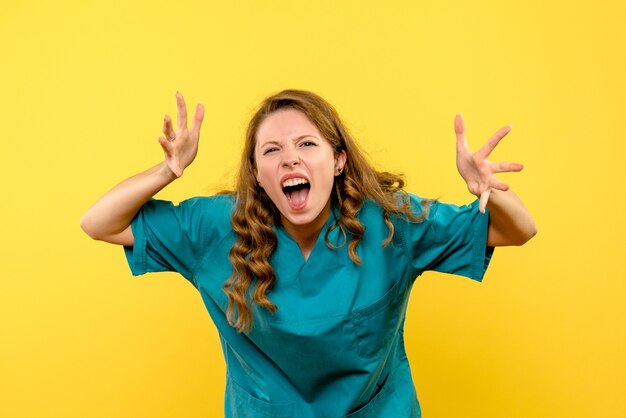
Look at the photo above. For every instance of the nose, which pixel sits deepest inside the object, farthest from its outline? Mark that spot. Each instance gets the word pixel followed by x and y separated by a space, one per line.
pixel 291 159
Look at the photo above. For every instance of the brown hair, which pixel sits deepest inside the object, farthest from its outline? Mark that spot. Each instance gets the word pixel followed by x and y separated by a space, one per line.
pixel 254 214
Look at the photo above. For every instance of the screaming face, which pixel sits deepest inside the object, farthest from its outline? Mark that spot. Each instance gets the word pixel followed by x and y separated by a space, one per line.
pixel 296 167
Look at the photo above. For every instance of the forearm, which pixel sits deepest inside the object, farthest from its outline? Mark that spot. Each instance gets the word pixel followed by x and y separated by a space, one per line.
pixel 114 211
pixel 510 223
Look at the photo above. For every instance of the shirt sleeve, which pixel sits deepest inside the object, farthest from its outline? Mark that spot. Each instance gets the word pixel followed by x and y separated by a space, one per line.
pixel 170 237
pixel 452 239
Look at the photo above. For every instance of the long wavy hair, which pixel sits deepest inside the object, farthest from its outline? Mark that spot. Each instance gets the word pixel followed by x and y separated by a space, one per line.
pixel 255 214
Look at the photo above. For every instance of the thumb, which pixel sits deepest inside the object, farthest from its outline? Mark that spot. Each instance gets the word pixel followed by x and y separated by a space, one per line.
pixel 484 198
pixel 172 164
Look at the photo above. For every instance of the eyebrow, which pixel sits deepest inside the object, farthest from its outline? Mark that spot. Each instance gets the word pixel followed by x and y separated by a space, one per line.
pixel 293 140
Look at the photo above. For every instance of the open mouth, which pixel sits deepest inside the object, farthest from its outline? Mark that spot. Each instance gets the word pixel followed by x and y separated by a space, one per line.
pixel 297 191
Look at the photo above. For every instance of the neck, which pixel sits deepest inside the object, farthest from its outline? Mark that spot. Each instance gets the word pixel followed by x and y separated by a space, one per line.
pixel 306 235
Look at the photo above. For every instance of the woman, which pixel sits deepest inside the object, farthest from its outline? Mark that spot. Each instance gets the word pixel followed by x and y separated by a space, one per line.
pixel 307 266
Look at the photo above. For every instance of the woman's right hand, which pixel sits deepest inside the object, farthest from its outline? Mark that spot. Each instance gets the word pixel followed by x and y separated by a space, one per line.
pixel 181 146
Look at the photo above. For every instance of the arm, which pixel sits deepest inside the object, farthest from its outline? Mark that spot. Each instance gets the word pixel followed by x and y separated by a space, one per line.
pixel 110 217
pixel 510 223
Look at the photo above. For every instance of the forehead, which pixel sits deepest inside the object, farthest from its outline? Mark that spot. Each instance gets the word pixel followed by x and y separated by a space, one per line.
pixel 285 125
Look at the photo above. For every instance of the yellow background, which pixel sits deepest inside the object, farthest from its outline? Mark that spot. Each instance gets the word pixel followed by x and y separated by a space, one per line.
pixel 85 85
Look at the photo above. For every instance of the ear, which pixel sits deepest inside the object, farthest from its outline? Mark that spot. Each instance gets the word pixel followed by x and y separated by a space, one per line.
pixel 340 162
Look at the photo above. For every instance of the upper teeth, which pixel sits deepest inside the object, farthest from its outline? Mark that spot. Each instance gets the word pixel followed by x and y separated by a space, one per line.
pixel 294 182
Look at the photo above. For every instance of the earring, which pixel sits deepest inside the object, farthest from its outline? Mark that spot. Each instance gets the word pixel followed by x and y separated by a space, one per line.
pixel 340 170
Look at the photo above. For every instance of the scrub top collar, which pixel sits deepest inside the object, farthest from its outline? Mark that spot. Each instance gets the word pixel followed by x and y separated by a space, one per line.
pixel 334 236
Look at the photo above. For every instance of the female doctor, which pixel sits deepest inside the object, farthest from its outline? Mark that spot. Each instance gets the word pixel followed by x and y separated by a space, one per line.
pixel 306 268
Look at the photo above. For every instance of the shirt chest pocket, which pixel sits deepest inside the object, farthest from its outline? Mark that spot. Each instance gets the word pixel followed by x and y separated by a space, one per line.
pixel 375 326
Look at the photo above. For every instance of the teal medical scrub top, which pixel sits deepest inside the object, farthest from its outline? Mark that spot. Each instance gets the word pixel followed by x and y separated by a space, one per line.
pixel 335 347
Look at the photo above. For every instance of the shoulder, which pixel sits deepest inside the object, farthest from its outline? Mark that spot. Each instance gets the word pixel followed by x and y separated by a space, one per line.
pixel 213 211
pixel 418 206
pixel 210 204
pixel 206 206
pixel 200 213
pixel 371 215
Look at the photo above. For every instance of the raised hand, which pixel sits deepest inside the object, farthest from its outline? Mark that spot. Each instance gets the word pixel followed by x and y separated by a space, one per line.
pixel 181 146
pixel 476 169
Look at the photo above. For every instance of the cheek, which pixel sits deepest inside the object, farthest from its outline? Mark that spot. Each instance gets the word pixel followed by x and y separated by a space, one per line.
pixel 265 176
pixel 326 170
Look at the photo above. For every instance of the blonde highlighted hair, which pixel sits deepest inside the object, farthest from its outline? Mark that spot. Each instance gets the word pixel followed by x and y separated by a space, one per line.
pixel 255 215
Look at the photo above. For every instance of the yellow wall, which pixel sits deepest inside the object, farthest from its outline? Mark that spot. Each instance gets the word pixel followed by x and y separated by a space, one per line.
pixel 85 84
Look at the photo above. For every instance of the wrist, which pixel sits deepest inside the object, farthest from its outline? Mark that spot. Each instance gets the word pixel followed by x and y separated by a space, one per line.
pixel 165 172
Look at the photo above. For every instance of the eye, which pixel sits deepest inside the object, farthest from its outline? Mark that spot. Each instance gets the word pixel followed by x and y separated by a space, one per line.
pixel 269 150
pixel 308 144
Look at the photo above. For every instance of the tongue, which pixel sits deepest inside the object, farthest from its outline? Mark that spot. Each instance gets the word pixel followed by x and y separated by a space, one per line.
pixel 299 196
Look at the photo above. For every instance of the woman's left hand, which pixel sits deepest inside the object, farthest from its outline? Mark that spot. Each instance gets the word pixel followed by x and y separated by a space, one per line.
pixel 477 171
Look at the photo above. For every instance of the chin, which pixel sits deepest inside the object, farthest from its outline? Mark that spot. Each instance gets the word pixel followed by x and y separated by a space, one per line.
pixel 300 219
pixel 306 217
